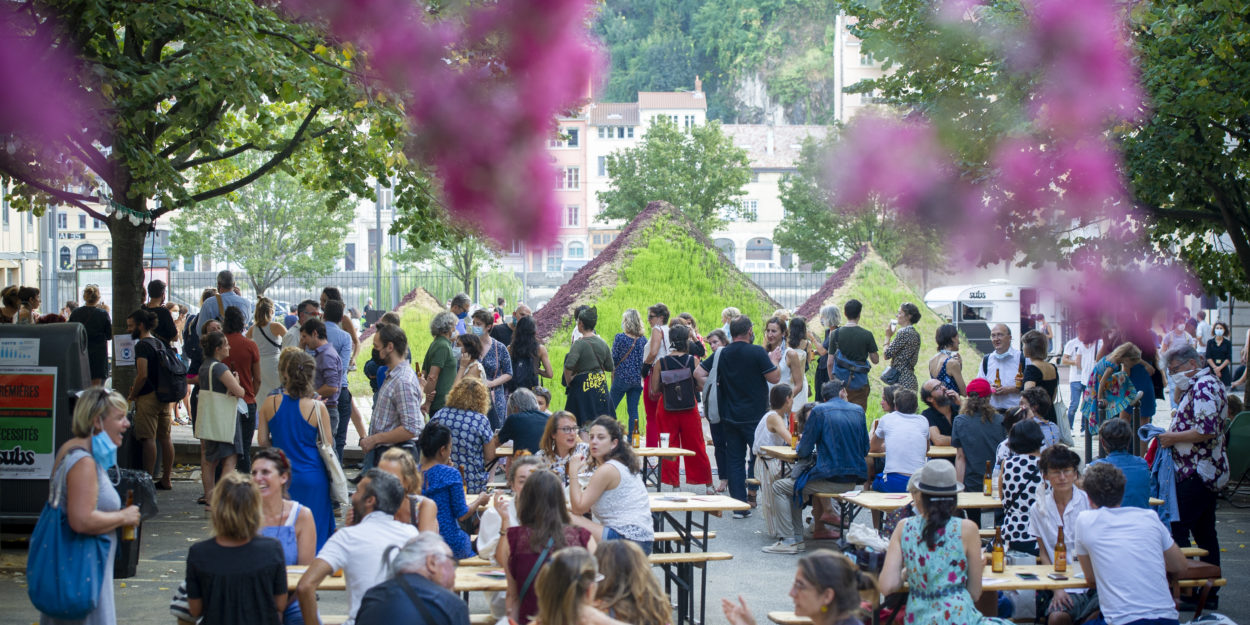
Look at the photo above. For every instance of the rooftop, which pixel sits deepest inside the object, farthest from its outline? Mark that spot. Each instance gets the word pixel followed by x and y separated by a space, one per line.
pixel 672 100
pixel 773 147
pixel 614 114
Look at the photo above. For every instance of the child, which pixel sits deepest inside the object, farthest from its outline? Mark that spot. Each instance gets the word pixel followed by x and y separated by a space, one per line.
pixel 544 399
pixel 773 429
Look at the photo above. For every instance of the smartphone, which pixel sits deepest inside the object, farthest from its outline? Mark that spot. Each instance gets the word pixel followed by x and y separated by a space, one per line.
pixel 1057 576
pixel 1027 576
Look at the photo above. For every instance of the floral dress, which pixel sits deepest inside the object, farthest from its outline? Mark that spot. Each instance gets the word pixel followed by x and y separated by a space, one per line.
pixel 560 465
pixel 497 362
pixel 902 353
pixel 1202 408
pixel 1119 393
pixel 938 577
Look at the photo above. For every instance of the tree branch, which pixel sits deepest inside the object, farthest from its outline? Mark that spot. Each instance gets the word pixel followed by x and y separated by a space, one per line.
pixel 286 152
pixel 73 199
pixel 1182 214
pixel 188 164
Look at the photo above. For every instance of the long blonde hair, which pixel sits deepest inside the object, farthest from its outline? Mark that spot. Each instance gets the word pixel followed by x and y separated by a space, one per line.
pixel 562 586
pixel 628 589
pixel 409 474
pixel 264 312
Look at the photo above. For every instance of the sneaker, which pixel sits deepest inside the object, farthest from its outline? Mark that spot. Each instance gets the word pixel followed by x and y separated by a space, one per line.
pixel 784 548
pixel 741 514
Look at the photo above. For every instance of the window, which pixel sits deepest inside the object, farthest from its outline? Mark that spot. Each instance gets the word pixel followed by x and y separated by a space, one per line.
pixel 603 132
pixel 536 260
pixel 87 252
pixel 755 176
pixel 62 222
pixel 616 132
pixel 66 259
pixel 555 257
pixel 349 257
pixel 750 208
pixel 566 139
pixel 516 247
pixel 188 263
pixel 759 248
pixel 603 165
pixel 726 246
pixel 573 218
pixel 30 221
pixel 571 178
pixel 82 222
pixel 787 259
pixel 5 202
pixel 866 58
pixel 97 224
pixel 688 122
pixel 629 132
pixel 577 250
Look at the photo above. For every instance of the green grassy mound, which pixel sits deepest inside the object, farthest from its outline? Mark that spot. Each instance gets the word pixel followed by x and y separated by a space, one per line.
pixel 871 281
pixel 416 311
pixel 658 258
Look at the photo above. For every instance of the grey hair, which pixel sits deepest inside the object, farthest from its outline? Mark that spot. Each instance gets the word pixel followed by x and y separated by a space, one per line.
pixel 386 490
pixel 522 400
pixel 830 317
pixel 462 300
pixel 1184 353
pixel 731 313
pixel 442 324
pixel 412 556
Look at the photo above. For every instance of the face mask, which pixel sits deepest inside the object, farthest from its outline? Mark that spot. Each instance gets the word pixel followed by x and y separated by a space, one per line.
pixel 1003 356
pixel 103 450
pixel 462 314
pixel 478 330
pixel 1219 331
pixel 455 353
pixel 377 356
pixel 1180 380
pixel 174 314
pixel 1180 327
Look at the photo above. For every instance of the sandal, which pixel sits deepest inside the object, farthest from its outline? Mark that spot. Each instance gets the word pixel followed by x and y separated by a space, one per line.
pixel 751 499
pixel 202 501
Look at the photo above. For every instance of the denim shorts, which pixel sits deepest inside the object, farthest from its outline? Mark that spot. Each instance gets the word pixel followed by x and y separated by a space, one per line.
pixel 611 534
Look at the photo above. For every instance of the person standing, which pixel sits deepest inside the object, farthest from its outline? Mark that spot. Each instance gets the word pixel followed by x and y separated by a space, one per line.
pixel 165 329
pixel 853 347
pixel 1004 368
pixel 586 369
pixel 657 347
pixel 530 362
pixel 442 359
pixel 228 295
pixel 629 347
pixel 244 361
pixel 397 417
pixel 345 346
pixel 679 412
pixel 153 418
pixel 268 336
pixel 946 366
pixel 459 307
pixel 1202 332
pixel 830 318
pixel 1080 355
pixel 99 332
pixel 327 380
pixel 1219 353
pixel 497 363
pixel 307 309
pixel 742 402
pixel 793 364
pixel 1038 372
pixel 903 349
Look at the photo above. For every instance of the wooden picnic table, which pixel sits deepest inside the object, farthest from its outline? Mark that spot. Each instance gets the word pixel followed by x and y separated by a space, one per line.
pixel 786 453
pixel 651 471
pixel 935 451
pixel 468 579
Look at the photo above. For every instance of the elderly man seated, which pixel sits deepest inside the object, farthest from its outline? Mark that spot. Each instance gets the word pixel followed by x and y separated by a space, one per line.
pixel 420 589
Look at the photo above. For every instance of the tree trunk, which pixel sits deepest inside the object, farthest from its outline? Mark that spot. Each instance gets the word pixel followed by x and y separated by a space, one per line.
pixel 128 287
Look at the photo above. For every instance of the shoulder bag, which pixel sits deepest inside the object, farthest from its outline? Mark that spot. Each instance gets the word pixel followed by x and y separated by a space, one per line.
pixel 627 353
pixel 415 599
pixel 65 572
pixel 711 402
pixel 216 416
pixel 338 480
pixel 529 579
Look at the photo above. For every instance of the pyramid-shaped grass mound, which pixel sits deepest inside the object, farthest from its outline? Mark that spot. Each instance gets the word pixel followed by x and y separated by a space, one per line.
pixel 866 277
pixel 658 258
pixel 416 310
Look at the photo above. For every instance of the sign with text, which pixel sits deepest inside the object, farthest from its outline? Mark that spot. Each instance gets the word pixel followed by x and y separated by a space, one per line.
pixel 19 351
pixel 27 413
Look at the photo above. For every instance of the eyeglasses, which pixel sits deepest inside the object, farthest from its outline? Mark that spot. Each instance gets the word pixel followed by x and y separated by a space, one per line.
pixel 570 430
pixel 1068 472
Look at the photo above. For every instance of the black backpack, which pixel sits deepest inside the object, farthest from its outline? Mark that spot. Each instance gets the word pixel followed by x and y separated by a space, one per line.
pixel 678 383
pixel 524 375
pixel 191 341
pixel 171 374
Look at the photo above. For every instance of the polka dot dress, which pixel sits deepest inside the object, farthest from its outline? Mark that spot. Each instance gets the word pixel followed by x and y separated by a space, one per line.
pixel 1021 479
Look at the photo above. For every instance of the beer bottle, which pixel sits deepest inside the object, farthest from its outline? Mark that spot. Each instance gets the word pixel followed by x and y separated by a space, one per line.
pixel 1061 553
pixel 998 379
pixel 636 440
pixel 997 556
pixel 988 482
pixel 128 531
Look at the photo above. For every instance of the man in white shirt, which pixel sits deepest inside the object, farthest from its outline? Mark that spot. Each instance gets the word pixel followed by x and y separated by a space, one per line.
pixel 903 436
pixel 1080 355
pixel 357 549
pixel 1202 332
pixel 1004 368
pixel 1055 508
pixel 1125 553
pixel 307 309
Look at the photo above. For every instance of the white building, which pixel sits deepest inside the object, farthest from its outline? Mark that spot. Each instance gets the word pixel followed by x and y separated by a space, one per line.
pixel 20 245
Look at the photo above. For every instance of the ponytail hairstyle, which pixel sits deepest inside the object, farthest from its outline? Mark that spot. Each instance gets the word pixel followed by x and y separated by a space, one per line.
pixel 679 337
pixel 623 452
pixel 798 332
pixel 938 509
pixel 826 569
pixel 563 585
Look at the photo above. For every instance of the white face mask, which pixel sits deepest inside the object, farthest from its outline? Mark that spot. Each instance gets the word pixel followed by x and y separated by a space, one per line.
pixel 174 314
pixel 1219 331
pixel 1181 380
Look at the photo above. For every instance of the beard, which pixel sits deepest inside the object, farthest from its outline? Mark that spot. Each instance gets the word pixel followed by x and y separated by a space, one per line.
pixel 940 401
pixel 135 335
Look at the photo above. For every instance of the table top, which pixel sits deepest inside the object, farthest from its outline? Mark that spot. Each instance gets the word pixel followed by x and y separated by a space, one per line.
pixel 1010 579
pixel 296 571
pixel 884 502
pixel 680 502
pixel 784 453
pixel 468 579
pixel 645 452
pixel 935 451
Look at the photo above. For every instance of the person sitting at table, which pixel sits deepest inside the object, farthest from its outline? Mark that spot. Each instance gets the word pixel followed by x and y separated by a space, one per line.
pixel 566 590
pixel 772 430
pixel 525 423
pixel 417 510
pixel 629 592
pixel 942 404
pixel 975 435
pixel 942 553
pixel 836 433
pixel 560 442
pixel 1019 484
pixel 1115 437
pixel 358 548
pixel 1037 404
pixel 826 590
pixel 473 440
pixel 425 568
pixel 545 527
pixel 1058 507
pixel 903 436
pixel 499 516
pixel 444 485
pixel 616 494
pixel 284 520
pixel 1125 553
pixel 1010 418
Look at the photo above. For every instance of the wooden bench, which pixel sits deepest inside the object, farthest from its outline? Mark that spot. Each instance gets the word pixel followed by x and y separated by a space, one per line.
pixel 674 536
pixel 333 619
pixel 1194 552
pixel 752 482
pixel 679 571
pixel 482 619
pixel 788 618
pixel 696 558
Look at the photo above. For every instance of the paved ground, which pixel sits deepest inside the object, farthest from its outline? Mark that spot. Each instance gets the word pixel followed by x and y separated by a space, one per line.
pixel 764 579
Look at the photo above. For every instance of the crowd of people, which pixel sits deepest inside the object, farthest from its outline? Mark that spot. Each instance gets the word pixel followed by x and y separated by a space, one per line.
pixel 574 534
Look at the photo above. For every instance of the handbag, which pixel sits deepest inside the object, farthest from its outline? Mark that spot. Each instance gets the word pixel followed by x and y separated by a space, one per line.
pixel 66 570
pixel 216 419
pixel 1061 419
pixel 891 375
pixel 338 480
pixel 710 400
pixel 542 557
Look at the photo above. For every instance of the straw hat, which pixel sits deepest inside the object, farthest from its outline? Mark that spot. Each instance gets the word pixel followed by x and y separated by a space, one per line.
pixel 936 477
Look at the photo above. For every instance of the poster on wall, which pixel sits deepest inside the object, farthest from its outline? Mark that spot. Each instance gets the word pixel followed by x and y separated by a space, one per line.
pixel 27 432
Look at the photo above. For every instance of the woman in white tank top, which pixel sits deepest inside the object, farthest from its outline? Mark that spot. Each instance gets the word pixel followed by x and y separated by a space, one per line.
pixel 615 493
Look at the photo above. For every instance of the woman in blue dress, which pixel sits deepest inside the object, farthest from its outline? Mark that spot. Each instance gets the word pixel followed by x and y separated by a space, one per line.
pixel 291 422
pixel 284 520
pixel 497 363
pixel 445 487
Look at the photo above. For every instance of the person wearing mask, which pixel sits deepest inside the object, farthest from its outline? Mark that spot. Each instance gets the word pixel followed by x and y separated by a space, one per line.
pixel 425 569
pixel 525 424
pixel 1080 355
pixel 629 348
pixel 1219 353
pixel 165 329
pixel 397 417
pixel 1115 438
pixel 284 520
pixel 1057 507
pixel 418 511
pixel 530 362
pixel 153 418
pixel 294 421
pixel 566 590
pixel 975 435
pixel 307 309
pixel 853 347
pixel 459 307
pixel 81 485
pixel 826 590
pixel 496 362
pixel 903 349
pixel 681 420
pixel 228 294
pixel 443 484
pixel 615 494
pixel 473 440
pixel 657 347
pixel 357 549
pixel 586 369
pixel 943 405
pixel 1004 368
pixel 237 576
pixel 903 436
pixel 545 528
pixel 441 362
pixel 946 366
pixel 560 443
pixel 268 335
pixel 629 592
pixel 99 329
pixel 244 361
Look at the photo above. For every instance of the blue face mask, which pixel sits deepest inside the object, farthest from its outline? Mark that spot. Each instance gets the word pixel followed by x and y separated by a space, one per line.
pixel 1003 356
pixel 103 450
pixel 478 330
pixel 462 314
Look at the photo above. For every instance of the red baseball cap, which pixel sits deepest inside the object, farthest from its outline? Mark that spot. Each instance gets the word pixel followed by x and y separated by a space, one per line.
pixel 979 387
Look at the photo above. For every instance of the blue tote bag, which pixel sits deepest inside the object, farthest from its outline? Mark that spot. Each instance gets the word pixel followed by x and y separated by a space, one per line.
pixel 65 570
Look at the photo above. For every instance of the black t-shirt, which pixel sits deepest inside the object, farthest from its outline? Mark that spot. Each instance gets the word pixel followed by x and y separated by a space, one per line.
pixel 524 429
pixel 502 332
pixel 237 584
pixel 149 349
pixel 165 329
pixel 742 395
pixel 1033 374
pixel 855 342
pixel 938 420
pixel 95 321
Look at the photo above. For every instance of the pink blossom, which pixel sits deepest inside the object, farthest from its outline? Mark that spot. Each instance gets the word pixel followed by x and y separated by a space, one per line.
pixel 897 162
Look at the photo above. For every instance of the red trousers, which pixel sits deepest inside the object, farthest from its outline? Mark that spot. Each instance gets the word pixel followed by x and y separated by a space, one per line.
pixel 685 430
pixel 651 406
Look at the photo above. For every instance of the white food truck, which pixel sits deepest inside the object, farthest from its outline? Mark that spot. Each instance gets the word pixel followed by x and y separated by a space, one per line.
pixel 975 308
